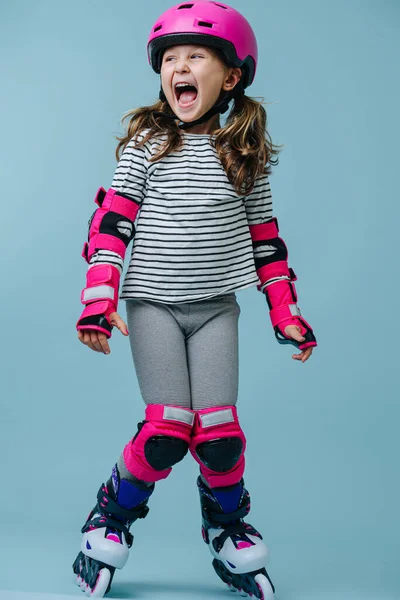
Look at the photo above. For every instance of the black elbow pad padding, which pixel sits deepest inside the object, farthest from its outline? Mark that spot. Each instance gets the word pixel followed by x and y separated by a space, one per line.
pixel 163 451
pixel 280 253
pixel 111 224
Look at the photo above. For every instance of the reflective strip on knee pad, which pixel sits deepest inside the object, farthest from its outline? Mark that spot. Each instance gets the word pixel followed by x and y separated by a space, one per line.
pixel 218 445
pixel 165 428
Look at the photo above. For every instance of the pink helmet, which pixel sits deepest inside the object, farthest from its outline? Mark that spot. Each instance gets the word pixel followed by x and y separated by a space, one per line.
pixel 206 23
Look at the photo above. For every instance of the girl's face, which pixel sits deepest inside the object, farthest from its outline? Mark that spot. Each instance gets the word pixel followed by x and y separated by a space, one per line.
pixel 203 70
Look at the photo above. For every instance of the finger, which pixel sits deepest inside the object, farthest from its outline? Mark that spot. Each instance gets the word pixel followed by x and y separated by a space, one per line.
pixel 94 338
pixel 116 320
pixel 86 337
pixel 297 356
pixel 104 344
pixel 306 354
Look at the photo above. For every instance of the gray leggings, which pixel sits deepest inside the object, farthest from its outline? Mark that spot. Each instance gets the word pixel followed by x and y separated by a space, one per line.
pixel 186 354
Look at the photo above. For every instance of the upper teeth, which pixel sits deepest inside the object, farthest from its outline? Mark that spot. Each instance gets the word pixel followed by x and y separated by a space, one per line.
pixel 183 84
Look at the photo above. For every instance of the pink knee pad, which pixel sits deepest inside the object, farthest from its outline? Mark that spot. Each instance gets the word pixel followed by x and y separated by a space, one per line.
pixel 218 445
pixel 162 440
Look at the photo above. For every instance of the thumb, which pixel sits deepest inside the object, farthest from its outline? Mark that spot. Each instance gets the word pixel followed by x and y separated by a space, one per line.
pixel 294 332
pixel 116 320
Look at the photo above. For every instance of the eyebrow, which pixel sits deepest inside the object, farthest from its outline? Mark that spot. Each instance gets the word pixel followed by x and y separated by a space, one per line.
pixel 195 49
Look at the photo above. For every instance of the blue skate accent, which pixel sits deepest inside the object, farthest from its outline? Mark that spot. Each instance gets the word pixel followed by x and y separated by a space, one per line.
pixel 229 499
pixel 115 480
pixel 231 565
pixel 130 496
pixel 88 546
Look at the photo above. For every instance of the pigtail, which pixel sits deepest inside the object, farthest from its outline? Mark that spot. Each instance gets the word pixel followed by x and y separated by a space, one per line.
pixel 244 145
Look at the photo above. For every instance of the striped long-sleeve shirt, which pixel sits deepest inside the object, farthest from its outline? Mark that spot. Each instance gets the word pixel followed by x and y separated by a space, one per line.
pixel 192 237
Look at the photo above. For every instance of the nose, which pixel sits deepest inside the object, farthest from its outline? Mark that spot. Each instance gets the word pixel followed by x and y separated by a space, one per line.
pixel 181 66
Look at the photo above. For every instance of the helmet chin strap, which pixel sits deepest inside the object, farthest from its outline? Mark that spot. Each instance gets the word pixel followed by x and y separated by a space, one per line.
pixel 221 106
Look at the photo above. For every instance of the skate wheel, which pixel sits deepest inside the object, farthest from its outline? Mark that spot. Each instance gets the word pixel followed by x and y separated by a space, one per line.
pixel 264 586
pixel 101 585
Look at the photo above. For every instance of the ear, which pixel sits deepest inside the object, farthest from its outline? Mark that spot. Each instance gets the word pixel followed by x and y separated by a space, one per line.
pixel 233 76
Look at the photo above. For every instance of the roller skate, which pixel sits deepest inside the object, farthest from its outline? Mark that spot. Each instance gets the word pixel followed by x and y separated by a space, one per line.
pixel 106 538
pixel 239 553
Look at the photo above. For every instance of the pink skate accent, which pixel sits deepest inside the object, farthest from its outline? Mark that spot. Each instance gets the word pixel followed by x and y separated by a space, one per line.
pixel 216 423
pixel 113 537
pixel 242 545
pixel 159 421
pixel 264 231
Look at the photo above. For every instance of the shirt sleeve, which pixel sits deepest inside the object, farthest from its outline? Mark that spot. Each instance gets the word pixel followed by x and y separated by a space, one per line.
pixel 130 179
pixel 258 203
pixel 259 210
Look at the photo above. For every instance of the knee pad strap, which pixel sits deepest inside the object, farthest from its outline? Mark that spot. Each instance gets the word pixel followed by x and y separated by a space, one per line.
pixel 218 444
pixel 162 440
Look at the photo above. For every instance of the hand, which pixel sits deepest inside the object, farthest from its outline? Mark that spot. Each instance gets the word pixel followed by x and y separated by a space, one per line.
pixel 96 340
pixel 294 332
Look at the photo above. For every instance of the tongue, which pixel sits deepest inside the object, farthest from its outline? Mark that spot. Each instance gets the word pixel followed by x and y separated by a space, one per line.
pixel 187 97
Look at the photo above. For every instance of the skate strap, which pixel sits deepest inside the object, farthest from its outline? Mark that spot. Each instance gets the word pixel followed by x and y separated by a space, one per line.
pixel 219 518
pixel 108 505
pixel 240 528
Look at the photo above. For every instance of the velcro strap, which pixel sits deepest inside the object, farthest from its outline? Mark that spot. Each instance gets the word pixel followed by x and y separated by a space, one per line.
pixel 109 505
pixel 220 518
pixel 85 251
pixel 216 417
pixel 99 292
pixel 104 241
pixel 278 268
pixel 264 231
pixel 121 204
pixel 282 313
pixel 101 194
pixel 97 308
pixel 102 283
pixel 174 413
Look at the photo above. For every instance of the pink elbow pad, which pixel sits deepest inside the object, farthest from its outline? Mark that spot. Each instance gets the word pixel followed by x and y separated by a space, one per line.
pixel 111 227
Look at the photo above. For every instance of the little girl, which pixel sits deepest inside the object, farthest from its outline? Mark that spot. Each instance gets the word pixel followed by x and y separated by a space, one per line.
pixel 205 230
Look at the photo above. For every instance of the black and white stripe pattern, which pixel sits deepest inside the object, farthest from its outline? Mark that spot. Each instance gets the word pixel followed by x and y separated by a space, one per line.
pixel 192 237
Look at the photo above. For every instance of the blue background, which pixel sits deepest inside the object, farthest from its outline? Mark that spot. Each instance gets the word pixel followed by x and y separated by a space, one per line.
pixel 323 442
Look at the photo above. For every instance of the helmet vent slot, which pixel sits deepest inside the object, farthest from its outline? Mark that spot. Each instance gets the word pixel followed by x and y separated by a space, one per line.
pixel 157 28
pixel 185 6
pixel 204 24
pixel 220 5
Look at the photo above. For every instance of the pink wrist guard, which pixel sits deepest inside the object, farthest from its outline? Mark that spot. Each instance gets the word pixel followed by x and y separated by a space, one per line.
pixel 276 281
pixel 282 300
pixel 100 297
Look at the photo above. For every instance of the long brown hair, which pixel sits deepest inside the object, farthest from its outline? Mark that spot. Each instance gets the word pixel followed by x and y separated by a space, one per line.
pixel 243 144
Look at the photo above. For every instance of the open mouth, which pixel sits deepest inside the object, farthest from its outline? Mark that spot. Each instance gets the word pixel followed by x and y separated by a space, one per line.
pixel 186 94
